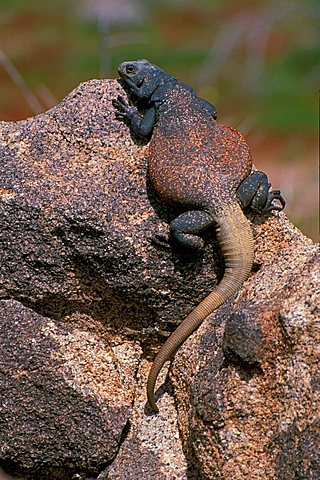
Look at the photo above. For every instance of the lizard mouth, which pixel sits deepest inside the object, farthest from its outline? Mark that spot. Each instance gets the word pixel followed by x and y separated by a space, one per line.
pixel 121 70
pixel 126 80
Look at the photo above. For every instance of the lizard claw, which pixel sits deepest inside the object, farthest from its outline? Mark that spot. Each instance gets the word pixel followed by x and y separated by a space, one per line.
pixel 275 195
pixel 120 115
pixel 161 240
pixel 120 103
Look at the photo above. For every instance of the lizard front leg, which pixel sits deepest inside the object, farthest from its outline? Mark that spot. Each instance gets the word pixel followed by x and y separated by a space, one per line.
pixel 141 125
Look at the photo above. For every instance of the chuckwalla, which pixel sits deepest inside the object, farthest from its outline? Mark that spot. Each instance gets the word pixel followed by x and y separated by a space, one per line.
pixel 205 168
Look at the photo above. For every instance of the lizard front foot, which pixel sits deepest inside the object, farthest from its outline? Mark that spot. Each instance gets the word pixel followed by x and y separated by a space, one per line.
pixel 124 111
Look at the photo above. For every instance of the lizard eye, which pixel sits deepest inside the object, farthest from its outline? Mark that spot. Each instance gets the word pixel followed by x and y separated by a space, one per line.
pixel 130 69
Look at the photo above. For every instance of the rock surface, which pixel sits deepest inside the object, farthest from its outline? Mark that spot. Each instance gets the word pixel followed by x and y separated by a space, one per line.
pixel 87 298
pixel 66 395
pixel 248 382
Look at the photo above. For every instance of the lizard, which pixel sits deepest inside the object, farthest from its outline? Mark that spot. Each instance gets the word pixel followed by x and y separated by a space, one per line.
pixel 203 167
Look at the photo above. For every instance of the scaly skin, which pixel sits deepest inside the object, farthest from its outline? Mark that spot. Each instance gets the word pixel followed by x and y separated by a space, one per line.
pixel 236 242
pixel 197 164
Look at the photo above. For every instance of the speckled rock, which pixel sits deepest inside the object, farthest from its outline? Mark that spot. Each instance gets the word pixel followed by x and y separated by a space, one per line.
pixel 76 226
pixel 66 395
pixel 78 218
pixel 152 446
pixel 88 297
pixel 246 383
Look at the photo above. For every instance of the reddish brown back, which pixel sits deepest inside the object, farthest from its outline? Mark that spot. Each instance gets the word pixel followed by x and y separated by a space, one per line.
pixel 193 160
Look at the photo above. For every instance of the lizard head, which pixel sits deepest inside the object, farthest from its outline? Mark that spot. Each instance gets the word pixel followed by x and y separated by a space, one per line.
pixel 138 71
pixel 141 78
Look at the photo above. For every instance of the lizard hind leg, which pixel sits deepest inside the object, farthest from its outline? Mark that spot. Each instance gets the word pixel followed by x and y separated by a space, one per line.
pixel 185 229
pixel 254 192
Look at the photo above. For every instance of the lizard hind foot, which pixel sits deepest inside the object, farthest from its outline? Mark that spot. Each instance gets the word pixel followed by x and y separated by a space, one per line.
pixel 185 229
pixel 275 195
pixel 254 192
pixel 161 240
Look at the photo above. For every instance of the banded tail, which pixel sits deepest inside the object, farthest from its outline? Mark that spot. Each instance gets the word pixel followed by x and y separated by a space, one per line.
pixel 236 242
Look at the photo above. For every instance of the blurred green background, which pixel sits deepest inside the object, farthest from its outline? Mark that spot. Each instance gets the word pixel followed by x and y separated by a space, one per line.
pixel 257 61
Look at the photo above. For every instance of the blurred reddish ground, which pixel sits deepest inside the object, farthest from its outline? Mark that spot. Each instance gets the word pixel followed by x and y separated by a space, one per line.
pixel 292 166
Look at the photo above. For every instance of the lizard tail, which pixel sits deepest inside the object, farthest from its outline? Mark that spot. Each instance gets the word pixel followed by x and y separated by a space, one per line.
pixel 236 242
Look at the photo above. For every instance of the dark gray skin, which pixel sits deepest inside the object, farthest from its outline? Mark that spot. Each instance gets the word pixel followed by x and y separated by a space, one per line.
pixel 203 167
pixel 149 93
